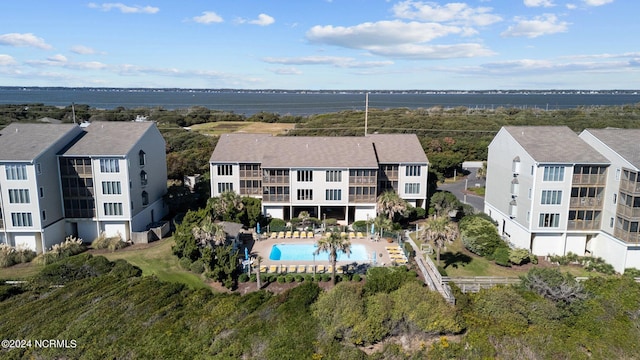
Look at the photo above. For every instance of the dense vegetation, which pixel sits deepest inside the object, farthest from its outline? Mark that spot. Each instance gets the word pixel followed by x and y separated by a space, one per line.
pixel 112 312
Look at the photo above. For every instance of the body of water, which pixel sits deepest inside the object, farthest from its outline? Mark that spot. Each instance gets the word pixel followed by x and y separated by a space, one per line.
pixel 304 252
pixel 309 102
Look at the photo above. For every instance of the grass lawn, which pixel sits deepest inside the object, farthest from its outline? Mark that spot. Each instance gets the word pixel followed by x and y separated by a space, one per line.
pixel 157 259
pixel 223 127
pixel 154 259
pixel 459 262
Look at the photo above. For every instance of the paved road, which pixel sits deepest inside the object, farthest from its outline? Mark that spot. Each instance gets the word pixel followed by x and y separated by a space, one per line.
pixel 458 189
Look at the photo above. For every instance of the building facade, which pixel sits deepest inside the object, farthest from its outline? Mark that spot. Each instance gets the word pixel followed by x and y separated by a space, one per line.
pixel 553 192
pixel 102 177
pixel 329 177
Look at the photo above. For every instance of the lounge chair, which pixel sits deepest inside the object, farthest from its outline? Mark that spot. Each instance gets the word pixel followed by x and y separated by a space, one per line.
pixel 274 235
pixel 327 234
pixel 292 269
pixel 273 269
pixel 303 235
pixel 352 235
pixel 359 235
pixel 330 268
pixel 296 234
pixel 320 269
pixel 302 269
pixel 263 268
pixel 287 235
pixel 310 234
pixel 281 235
pixel 401 261
pixel 343 234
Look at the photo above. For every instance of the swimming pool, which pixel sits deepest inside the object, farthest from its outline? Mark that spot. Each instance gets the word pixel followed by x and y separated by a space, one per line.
pixel 304 252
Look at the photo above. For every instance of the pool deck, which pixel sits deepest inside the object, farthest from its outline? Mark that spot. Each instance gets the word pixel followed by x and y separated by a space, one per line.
pixel 263 248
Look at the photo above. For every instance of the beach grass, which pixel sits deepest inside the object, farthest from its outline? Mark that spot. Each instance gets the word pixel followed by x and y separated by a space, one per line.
pixel 225 127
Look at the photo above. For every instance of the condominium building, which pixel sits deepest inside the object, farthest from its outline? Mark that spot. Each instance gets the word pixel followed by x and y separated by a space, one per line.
pixel 59 180
pixel 553 192
pixel 329 177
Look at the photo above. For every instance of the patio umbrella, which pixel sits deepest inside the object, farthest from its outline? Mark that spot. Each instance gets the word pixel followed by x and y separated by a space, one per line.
pixel 246 253
pixel 374 257
pixel 258 228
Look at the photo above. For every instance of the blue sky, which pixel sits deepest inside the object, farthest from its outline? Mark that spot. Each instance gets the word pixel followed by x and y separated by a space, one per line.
pixel 322 44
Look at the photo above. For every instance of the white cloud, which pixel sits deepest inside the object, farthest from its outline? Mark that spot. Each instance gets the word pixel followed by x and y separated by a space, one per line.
pixel 6 60
pixel 538 26
pixel 23 40
pixel 82 50
pixel 597 2
pixel 571 6
pixel 430 52
pixel 263 20
pixel 337 61
pixel 538 3
pixel 58 58
pixel 286 71
pixel 454 13
pixel 379 33
pixel 125 9
pixel 208 17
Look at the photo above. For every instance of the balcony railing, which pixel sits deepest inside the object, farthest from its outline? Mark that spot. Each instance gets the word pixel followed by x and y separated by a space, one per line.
pixel 629 237
pixel 1 224
pixel 583 225
pixel 250 191
pixel 591 179
pixel 275 198
pixel 585 202
pixel 628 211
pixel 362 198
pixel 632 187
pixel 279 180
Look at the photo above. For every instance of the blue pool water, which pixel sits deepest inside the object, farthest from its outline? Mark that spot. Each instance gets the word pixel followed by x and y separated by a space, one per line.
pixel 304 252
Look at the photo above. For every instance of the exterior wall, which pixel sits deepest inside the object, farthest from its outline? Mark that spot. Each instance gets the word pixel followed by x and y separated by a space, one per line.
pixel 54 234
pixel 517 235
pixel 276 212
pixel 548 244
pixel 404 179
pixel 115 228
pixel 216 179
pixel 32 207
pixel 562 209
pixel 27 240
pixel 365 212
pixel 149 214
pixel 576 243
pixel 101 198
pixel 319 185
pixel 612 250
pixel 87 230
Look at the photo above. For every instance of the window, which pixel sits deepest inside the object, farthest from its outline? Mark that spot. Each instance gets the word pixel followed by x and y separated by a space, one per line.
pixel 412 170
pixel 515 187
pixel 38 168
pixel 515 165
pixel 305 194
pixel 412 188
pixel 142 158
pixel 145 198
pixel 617 174
pixel 551 197
pixel 19 196
pixel 305 175
pixel 109 165
pixel 44 215
pixel 615 198
pixel 111 188
pixel 610 222
pixel 334 175
pixel 225 170
pixel 113 208
pixel 16 172
pixel 41 192
pixel 143 178
pixel 21 219
pixel 333 194
pixel 549 220
pixel 553 173
pixel 224 187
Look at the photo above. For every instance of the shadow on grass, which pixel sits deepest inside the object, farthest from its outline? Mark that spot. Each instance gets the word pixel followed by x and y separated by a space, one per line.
pixel 455 260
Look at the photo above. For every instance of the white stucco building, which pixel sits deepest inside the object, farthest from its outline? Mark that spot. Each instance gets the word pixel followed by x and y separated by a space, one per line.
pixel 553 192
pixel 332 177
pixel 59 180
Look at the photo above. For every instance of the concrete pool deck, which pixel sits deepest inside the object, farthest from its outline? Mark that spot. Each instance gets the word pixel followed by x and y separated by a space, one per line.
pixel 263 248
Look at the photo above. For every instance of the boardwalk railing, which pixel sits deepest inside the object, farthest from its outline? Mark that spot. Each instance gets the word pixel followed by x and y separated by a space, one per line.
pixel 476 283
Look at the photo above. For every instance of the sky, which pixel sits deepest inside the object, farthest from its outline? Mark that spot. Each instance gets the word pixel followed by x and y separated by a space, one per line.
pixel 322 44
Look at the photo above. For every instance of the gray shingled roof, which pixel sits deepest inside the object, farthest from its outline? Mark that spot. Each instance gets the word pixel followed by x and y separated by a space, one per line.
pixel 25 141
pixel 398 148
pixel 318 151
pixel 108 138
pixel 555 144
pixel 622 141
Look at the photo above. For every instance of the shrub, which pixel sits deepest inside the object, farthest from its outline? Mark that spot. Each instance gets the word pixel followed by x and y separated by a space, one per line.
pixel 197 266
pixel 112 243
pixel 480 235
pixel 71 246
pixel 326 277
pixel 519 256
pixel 277 225
pixel 289 278
pixel 24 255
pixel 123 270
pixel 308 278
pixel 254 278
pixel 356 278
pixel 7 256
pixel 360 225
pixel 281 279
pixel 554 285
pixel 243 278
pixel 185 263
pixel 632 272
pixel 501 256
pixel 299 278
pixel 387 279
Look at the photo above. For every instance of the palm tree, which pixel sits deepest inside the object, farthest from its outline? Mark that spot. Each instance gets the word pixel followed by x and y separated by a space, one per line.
pixel 381 224
pixel 390 203
pixel 439 231
pixel 208 232
pixel 226 205
pixel 332 244
pixel 259 260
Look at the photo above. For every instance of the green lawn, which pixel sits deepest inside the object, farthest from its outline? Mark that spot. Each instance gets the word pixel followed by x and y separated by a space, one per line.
pixel 459 262
pixel 156 259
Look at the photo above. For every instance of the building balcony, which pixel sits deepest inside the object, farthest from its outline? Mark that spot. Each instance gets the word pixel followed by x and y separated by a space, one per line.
pixel 583 224
pixel 250 191
pixel 362 199
pixel 628 237
pixel 629 186
pixel 629 212
pixel 1 224
pixel 275 180
pixel 275 198
pixel 589 179
pixel 585 202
